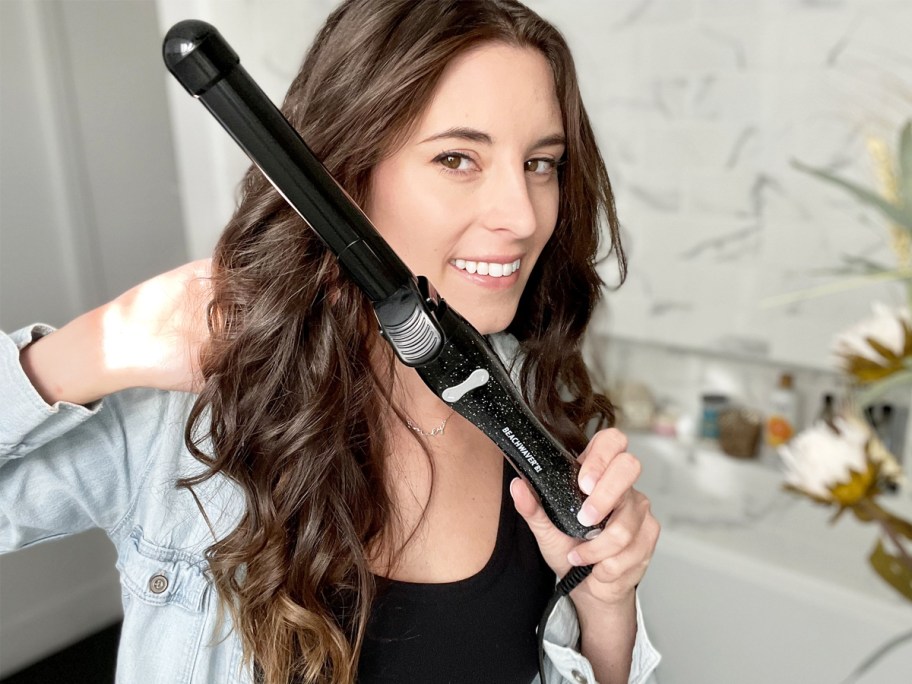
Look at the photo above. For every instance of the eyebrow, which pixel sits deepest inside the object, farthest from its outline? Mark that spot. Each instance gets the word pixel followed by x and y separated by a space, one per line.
pixel 474 135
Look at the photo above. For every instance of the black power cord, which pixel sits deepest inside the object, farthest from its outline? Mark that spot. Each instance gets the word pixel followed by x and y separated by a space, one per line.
pixel 567 584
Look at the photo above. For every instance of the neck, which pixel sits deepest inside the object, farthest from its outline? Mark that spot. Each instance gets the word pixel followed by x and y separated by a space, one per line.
pixel 409 393
pixel 417 401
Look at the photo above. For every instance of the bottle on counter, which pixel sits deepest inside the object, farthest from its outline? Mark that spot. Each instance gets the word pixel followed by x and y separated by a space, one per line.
pixel 713 405
pixel 827 408
pixel 782 413
pixel 880 417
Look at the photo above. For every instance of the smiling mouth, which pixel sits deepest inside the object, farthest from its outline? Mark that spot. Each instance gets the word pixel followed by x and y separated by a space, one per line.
pixel 488 268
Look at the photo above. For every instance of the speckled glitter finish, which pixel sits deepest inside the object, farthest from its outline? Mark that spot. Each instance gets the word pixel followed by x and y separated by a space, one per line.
pixel 500 412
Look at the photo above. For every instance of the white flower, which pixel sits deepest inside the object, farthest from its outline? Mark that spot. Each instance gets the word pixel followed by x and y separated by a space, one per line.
pixel 887 327
pixel 821 457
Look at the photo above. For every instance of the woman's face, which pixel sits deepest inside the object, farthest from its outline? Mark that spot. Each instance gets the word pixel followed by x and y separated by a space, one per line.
pixel 471 198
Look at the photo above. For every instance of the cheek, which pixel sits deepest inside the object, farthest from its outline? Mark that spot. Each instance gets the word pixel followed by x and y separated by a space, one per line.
pixel 391 210
pixel 416 215
pixel 547 205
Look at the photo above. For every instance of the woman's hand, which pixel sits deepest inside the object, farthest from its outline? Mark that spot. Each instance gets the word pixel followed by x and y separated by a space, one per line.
pixel 150 336
pixel 621 552
pixel 605 600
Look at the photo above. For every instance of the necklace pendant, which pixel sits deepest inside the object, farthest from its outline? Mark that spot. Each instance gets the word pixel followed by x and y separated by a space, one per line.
pixel 432 433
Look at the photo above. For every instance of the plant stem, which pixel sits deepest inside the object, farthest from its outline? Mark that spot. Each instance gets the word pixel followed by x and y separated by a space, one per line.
pixel 885 520
pixel 897 542
pixel 835 287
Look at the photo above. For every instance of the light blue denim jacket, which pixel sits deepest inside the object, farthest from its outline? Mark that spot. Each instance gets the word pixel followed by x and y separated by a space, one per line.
pixel 67 468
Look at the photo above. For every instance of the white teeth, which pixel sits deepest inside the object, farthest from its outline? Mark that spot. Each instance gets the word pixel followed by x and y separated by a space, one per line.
pixel 493 270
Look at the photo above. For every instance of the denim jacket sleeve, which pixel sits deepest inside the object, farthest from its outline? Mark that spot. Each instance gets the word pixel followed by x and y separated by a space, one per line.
pixel 57 480
pixel 66 468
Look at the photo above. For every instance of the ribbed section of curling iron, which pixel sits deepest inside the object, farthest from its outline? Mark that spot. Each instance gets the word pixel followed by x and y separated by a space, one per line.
pixel 416 338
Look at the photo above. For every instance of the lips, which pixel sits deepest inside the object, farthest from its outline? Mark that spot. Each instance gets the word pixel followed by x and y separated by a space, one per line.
pixel 493 269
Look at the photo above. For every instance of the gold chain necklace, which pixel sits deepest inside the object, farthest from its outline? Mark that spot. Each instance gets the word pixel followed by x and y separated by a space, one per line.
pixel 432 433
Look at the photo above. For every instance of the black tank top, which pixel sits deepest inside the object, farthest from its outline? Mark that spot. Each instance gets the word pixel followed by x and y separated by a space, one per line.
pixel 480 629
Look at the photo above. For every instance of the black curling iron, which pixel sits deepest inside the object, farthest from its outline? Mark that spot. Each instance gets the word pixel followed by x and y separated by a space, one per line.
pixel 453 359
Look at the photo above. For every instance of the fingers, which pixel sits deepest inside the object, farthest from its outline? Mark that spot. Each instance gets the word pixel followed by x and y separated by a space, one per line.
pixel 620 573
pixel 631 526
pixel 621 552
pixel 526 504
pixel 608 472
pixel 604 442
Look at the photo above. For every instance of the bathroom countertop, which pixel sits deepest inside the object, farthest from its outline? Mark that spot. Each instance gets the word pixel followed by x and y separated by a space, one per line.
pixel 737 512
pixel 753 584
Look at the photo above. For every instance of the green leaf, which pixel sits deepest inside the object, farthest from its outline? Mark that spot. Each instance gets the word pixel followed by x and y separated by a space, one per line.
pixel 860 264
pixel 842 285
pixel 905 166
pixel 900 215
pixel 894 570
pixel 880 386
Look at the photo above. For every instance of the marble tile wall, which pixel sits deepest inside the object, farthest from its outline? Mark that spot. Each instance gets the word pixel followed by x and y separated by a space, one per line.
pixel 700 105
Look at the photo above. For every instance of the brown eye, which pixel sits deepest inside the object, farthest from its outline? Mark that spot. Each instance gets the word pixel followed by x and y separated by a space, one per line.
pixel 451 161
pixel 541 167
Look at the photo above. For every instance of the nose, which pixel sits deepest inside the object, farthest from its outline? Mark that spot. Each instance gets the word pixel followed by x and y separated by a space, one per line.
pixel 509 205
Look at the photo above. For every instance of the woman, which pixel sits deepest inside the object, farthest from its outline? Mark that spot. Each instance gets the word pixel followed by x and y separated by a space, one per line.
pixel 339 521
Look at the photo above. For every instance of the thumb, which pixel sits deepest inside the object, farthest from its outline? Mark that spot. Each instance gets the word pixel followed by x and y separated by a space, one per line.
pixel 553 544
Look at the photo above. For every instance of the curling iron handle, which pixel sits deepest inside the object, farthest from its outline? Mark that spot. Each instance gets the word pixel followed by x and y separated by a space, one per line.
pixel 487 397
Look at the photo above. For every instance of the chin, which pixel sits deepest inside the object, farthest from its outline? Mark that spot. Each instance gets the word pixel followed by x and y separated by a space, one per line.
pixel 489 325
pixel 486 317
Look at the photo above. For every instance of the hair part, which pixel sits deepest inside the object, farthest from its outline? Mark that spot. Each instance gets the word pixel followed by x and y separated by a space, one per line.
pixel 294 403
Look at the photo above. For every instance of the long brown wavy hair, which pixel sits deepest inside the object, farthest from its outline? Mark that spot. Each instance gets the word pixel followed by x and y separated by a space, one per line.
pixel 294 401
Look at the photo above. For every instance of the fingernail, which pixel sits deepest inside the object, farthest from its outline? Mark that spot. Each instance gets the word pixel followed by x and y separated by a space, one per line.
pixel 587 515
pixel 574 558
pixel 588 484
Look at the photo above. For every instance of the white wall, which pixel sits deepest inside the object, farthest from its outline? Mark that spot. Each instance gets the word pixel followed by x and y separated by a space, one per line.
pixel 270 38
pixel 89 206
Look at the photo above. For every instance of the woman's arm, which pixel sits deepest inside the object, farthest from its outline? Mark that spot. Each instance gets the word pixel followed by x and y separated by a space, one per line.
pixel 67 365
pixel 149 336
pixel 608 634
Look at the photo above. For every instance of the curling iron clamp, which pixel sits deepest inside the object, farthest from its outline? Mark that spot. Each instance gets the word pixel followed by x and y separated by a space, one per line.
pixel 451 357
